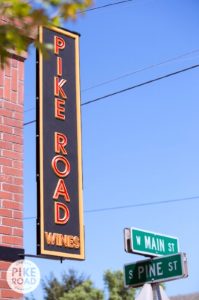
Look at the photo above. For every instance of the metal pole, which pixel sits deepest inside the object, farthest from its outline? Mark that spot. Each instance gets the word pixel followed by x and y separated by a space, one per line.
pixel 156 291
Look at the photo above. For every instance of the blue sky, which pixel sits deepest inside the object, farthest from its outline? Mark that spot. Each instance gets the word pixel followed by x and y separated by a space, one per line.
pixel 140 146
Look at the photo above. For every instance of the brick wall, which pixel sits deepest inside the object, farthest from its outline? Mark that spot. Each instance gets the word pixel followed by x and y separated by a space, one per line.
pixel 11 163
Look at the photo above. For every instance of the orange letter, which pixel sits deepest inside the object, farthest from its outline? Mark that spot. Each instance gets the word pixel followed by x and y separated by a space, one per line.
pixel 58 87
pixel 59 43
pixel 60 142
pixel 61 209
pixel 59 109
pixel 59 66
pixel 65 171
pixel 61 190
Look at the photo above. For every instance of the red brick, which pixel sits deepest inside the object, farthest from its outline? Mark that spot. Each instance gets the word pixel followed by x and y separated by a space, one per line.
pixel 8 70
pixel 6 212
pixel 14 79
pixel 10 294
pixel 18 181
pixel 1 92
pixel 14 62
pixel 5 162
pixel 3 274
pixel 18 198
pixel 4 284
pixel 12 222
pixel 13 96
pixel 21 93
pixel 5 195
pixel 13 107
pixel 11 205
pixel 6 113
pixel 17 214
pixel 4 128
pixel 17 164
pixel 5 145
pixel 7 88
pixel 12 138
pixel 18 131
pixel 12 240
pixel 1 76
pixel 13 122
pixel 5 230
pixel 18 116
pixel 12 154
pixel 21 70
pixel 17 232
pixel 4 265
pixel 6 178
pixel 12 171
pixel 17 148
pixel 12 188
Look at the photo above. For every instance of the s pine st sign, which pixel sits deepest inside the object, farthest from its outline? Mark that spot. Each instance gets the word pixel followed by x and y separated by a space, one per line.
pixel 159 269
pixel 149 243
pixel 60 231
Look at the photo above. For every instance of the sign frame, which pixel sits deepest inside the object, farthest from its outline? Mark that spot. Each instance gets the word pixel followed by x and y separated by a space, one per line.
pixel 41 192
pixel 183 274
pixel 131 248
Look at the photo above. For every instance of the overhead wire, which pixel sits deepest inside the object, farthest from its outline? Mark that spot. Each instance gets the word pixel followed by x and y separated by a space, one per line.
pixel 105 6
pixel 141 70
pixel 132 87
pixel 134 72
pixel 140 84
pixel 152 203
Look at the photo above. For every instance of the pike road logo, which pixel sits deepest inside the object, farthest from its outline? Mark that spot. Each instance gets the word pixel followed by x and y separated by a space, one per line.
pixel 23 276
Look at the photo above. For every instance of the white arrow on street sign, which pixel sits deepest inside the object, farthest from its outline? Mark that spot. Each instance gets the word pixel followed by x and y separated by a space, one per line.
pixel 146 293
pixel 163 294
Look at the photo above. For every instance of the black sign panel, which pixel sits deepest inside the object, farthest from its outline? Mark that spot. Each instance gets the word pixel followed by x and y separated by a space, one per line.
pixel 59 163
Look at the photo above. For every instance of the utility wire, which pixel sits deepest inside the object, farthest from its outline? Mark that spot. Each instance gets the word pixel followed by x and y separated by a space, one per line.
pixel 133 72
pixel 141 204
pixel 140 70
pixel 132 87
pixel 139 85
pixel 133 205
pixel 105 6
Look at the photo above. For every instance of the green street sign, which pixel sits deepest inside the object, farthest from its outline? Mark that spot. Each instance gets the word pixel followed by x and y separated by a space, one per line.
pixel 154 270
pixel 149 243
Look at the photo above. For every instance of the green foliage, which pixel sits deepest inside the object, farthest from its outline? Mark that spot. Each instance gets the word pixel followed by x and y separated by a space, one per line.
pixel 114 282
pixel 22 19
pixel 85 291
pixel 77 287
pixel 54 289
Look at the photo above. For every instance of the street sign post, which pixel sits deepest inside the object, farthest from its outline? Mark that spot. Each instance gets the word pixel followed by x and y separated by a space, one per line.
pixel 155 270
pixel 149 243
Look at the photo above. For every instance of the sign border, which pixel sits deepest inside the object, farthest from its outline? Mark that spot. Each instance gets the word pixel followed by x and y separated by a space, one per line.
pixel 40 174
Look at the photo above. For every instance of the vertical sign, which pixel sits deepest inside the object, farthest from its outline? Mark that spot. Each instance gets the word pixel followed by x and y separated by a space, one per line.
pixel 60 231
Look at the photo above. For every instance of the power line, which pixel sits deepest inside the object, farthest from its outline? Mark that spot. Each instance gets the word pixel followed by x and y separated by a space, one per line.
pixel 141 70
pixel 141 204
pixel 139 85
pixel 134 205
pixel 133 73
pixel 105 6
pixel 132 87
pixel 30 122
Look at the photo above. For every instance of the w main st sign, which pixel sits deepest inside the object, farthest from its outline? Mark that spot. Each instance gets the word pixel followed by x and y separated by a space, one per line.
pixel 149 243
pixel 60 231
